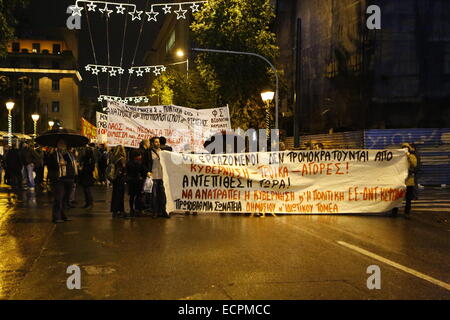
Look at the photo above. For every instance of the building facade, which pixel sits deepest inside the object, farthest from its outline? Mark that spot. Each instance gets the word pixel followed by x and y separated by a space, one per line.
pixel 341 76
pixel 40 74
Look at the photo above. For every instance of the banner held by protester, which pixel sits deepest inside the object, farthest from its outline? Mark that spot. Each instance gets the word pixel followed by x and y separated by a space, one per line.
pixel 102 127
pixel 291 182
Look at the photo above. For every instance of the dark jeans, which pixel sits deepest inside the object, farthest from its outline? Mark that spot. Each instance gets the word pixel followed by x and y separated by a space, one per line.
pixel 411 194
pixel 118 195
pixel 62 189
pixel 39 175
pixel 102 172
pixel 14 179
pixel 89 200
pixel 159 197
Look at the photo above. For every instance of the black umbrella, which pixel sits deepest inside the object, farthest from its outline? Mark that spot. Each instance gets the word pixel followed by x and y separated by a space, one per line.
pixel 73 139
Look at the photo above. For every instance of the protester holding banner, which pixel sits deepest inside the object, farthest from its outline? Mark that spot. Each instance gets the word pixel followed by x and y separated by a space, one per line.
pixel 163 141
pixel 159 194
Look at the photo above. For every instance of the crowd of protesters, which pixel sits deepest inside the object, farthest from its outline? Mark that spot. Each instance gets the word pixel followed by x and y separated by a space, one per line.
pixel 137 171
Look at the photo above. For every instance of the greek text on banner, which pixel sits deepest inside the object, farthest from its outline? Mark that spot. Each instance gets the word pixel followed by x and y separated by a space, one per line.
pixel 290 182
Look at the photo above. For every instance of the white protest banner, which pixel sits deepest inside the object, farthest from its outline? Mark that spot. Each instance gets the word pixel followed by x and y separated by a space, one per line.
pixel 290 182
pixel 102 127
pixel 185 128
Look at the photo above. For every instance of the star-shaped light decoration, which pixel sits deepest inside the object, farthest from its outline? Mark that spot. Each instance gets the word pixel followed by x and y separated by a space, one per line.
pixel 131 70
pixel 95 71
pixel 146 100
pixel 91 6
pixel 195 7
pixel 104 69
pixel 135 14
pixel 120 9
pixel 112 72
pixel 100 99
pixel 181 14
pixel 88 68
pixel 167 9
pixel 139 73
pixel 152 15
pixel 163 68
pixel 76 10
pixel 121 70
pixel 157 72
pixel 148 69
pixel 105 9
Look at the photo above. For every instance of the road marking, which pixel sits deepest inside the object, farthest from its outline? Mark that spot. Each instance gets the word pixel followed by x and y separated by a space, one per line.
pixel 397 265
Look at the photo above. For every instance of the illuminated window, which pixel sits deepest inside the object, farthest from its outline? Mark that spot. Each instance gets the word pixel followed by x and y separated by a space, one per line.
pixel 16 47
pixel 36 48
pixel 56 48
pixel 171 41
pixel 55 84
pixel 55 106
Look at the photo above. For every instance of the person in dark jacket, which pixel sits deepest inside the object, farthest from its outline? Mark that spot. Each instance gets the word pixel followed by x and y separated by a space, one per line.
pixel 62 170
pixel 39 166
pixel 102 164
pixel 26 160
pixel 136 174
pixel 86 175
pixel 116 174
pixel 13 168
pixel 163 144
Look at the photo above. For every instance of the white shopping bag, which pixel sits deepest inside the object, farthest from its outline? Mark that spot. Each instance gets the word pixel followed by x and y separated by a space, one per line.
pixel 148 185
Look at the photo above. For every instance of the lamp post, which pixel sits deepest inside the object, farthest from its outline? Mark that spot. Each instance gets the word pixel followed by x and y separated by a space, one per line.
pixel 10 106
pixel 35 118
pixel 180 54
pixel 267 97
pixel 51 123
pixel 255 55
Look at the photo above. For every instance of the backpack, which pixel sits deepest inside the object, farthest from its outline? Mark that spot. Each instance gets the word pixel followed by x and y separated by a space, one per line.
pixel 111 173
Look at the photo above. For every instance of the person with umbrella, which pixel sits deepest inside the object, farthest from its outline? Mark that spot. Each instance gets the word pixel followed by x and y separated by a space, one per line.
pixel 62 166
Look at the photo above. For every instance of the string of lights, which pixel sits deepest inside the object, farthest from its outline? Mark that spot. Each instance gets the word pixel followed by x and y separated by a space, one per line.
pixel 109 8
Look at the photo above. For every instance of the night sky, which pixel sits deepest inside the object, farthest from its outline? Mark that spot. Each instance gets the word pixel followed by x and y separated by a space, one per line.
pixel 52 13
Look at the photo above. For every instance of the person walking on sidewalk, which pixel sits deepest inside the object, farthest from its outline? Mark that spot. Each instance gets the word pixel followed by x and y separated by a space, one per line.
pixel 115 173
pixel 62 170
pixel 86 176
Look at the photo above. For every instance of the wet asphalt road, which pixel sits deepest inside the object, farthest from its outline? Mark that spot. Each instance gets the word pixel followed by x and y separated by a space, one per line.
pixel 222 257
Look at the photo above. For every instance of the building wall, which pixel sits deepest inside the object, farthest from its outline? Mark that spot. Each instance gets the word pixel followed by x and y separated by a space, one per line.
pixel 41 68
pixel 67 97
pixel 353 78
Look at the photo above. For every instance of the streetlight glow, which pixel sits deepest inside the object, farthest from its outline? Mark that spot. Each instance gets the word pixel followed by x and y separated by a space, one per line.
pixel 10 105
pixel 180 53
pixel 267 96
pixel 51 123
pixel 35 117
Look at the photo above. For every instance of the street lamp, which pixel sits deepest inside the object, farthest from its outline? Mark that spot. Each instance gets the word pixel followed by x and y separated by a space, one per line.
pixel 267 97
pixel 51 123
pixel 35 118
pixel 180 54
pixel 10 106
pixel 255 55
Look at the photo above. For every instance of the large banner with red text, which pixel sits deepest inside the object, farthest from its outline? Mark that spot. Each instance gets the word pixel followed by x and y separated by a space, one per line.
pixel 290 182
